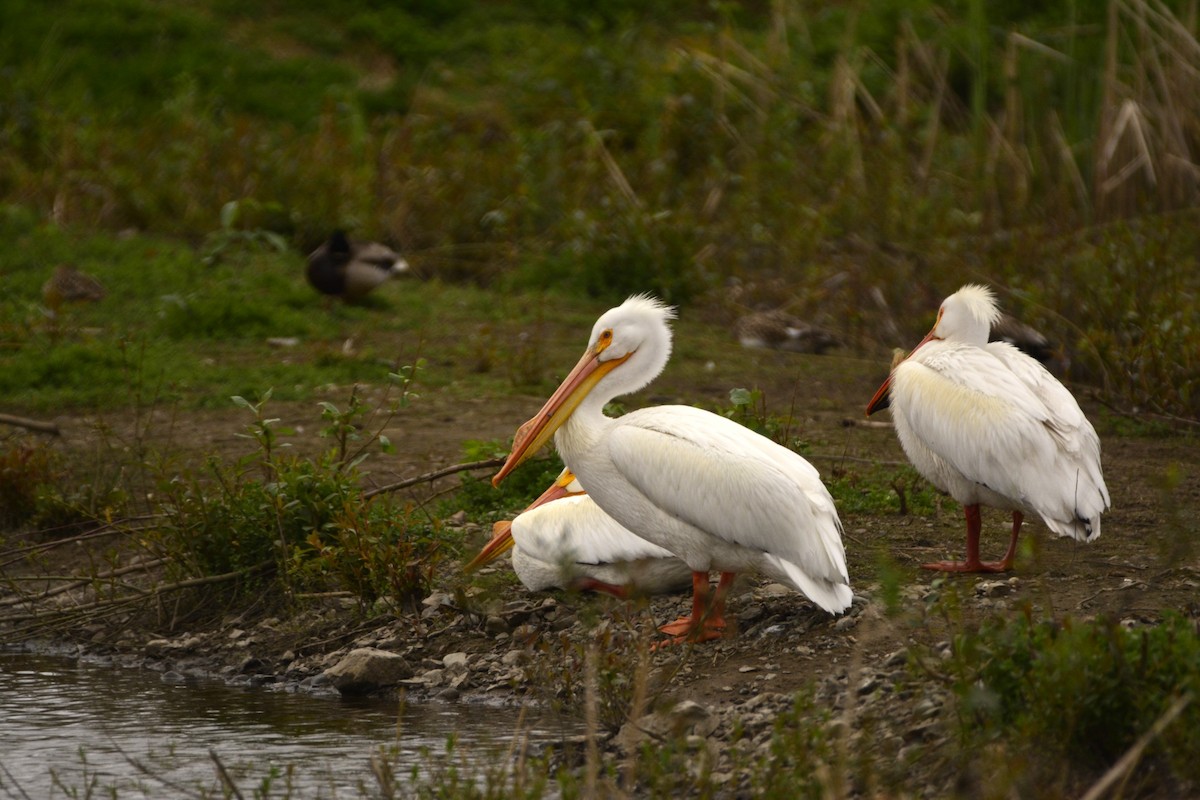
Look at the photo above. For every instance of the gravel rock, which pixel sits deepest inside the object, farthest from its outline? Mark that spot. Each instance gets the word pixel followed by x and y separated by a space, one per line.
pixel 366 670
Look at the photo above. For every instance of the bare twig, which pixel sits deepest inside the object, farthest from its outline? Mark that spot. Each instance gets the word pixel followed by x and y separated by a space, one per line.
pixel 429 477
pixel 121 526
pixel 190 583
pixel 77 582
pixel 230 786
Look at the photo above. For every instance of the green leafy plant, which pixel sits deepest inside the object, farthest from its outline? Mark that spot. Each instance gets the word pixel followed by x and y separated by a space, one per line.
pixel 305 523
pixel 1083 691
pixel 233 238
pixel 25 471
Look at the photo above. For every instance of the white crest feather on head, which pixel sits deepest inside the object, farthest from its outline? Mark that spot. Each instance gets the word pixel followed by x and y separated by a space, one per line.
pixel 980 302
pixel 650 303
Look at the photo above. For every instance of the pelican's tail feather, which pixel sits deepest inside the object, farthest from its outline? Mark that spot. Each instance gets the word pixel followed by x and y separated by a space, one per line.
pixel 1080 529
pixel 832 596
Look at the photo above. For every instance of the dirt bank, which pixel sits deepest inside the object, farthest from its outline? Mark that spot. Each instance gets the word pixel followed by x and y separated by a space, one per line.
pixel 485 639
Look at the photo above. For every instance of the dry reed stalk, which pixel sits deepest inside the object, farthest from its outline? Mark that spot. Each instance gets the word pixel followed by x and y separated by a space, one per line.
pixel 1067 157
pixel 1123 769
pixel 939 73
pixel 637 705
pixel 591 717
pixel 1016 157
pixel 758 78
pixel 1132 117
pixel 611 166
pixel 844 117
pixel 777 35
pixel 900 86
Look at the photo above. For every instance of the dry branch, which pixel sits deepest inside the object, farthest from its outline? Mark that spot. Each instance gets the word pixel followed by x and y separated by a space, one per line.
pixel 157 591
pixel 78 582
pixel 429 477
pixel 112 528
pixel 31 424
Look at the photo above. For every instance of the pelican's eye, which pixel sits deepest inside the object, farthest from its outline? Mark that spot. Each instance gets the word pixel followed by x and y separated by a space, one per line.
pixel 605 340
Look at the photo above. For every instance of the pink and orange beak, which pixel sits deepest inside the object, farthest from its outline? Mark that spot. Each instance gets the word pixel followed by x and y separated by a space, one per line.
pixel 500 544
pixel 882 397
pixel 531 436
pixel 502 540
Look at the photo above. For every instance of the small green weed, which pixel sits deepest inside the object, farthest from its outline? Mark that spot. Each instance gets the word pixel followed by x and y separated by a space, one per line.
pixel 25 470
pixel 866 489
pixel 305 520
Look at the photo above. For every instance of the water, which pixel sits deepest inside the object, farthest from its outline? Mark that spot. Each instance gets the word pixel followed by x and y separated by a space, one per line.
pixel 66 725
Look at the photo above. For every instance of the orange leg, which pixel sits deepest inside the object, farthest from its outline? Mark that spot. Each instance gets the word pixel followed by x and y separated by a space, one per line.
pixel 593 585
pixel 699 601
pixel 973 564
pixel 706 622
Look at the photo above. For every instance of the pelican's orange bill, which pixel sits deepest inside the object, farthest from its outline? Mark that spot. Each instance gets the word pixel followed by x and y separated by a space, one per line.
pixel 882 397
pixel 500 543
pixel 531 436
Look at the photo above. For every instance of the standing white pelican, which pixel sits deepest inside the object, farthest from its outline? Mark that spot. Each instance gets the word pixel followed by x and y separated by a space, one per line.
pixel 564 540
pixel 715 494
pixel 989 425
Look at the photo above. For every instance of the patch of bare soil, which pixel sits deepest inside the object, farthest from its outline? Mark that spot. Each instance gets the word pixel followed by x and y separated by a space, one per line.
pixel 488 640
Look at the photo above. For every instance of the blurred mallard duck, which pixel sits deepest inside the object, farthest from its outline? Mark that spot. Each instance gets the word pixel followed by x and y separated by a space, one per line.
pixel 1029 341
pixel 69 285
pixel 779 330
pixel 351 270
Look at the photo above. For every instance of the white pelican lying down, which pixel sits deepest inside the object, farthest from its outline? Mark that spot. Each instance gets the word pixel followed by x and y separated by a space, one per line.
pixel 563 540
pixel 715 494
pixel 989 425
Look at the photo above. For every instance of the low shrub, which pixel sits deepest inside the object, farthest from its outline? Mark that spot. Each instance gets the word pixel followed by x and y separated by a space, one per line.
pixel 1082 693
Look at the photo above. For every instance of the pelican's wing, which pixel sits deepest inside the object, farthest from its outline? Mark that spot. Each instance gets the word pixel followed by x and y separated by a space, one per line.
pixel 1016 431
pixel 689 463
pixel 575 529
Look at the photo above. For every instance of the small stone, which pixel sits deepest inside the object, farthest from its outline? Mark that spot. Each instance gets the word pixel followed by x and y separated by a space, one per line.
pixel 455 662
pixel 157 648
pixel 845 623
pixel 366 669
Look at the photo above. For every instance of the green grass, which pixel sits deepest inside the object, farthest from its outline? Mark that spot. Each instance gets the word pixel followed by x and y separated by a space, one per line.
pixel 1080 693
pixel 175 328
pixel 593 150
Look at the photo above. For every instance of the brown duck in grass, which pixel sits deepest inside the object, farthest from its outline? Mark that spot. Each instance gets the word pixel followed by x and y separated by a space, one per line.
pixel 779 330
pixel 352 270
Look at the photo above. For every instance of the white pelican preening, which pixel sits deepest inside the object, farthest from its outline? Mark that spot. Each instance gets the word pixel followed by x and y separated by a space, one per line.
pixel 703 487
pixel 989 425
pixel 564 540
